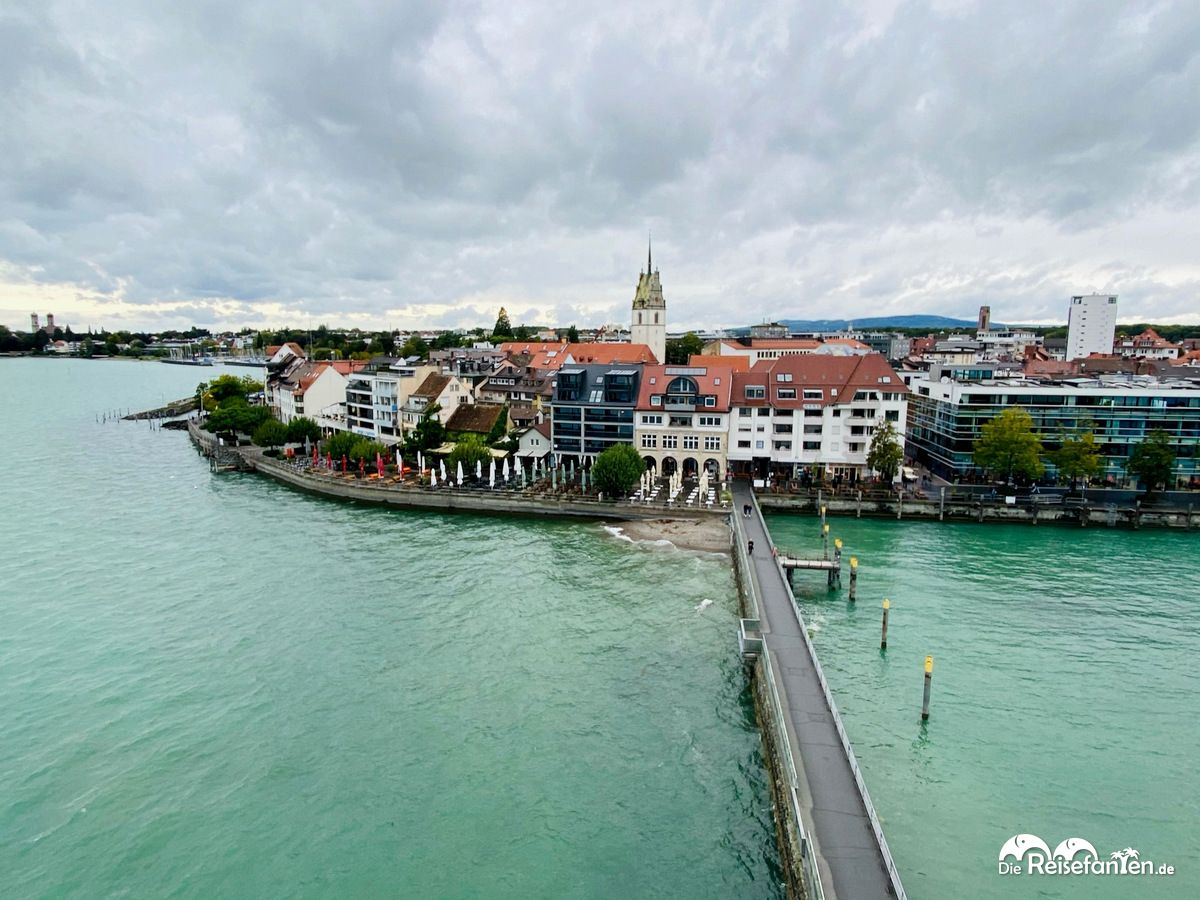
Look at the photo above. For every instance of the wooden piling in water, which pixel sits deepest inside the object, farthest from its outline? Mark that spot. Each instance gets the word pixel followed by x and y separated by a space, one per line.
pixel 942 505
pixel 853 578
pixel 887 604
pixel 928 686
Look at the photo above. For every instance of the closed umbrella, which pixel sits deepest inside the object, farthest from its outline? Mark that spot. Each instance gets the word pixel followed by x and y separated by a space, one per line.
pixel 432 478
pixel 442 466
pixel 420 461
pixel 492 474
pixel 504 471
pixel 459 473
pixel 329 460
pixel 343 462
pixel 479 470
pixel 379 463
pixel 314 456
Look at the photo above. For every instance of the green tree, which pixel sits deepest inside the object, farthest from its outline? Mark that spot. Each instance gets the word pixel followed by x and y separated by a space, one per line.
pixel 303 429
pixel 271 433
pixel 340 444
pixel 1077 457
pixel 500 428
pixel 468 451
pixel 1152 460
pixel 1008 447
pixel 503 328
pixel 428 433
pixel 223 387
pixel 681 350
pixel 235 416
pixel 886 452
pixel 415 346
pixel 617 470
pixel 522 333
pixel 572 335
pixel 366 450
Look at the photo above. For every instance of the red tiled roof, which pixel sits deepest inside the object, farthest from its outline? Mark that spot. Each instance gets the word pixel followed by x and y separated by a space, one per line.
pixel 477 418
pixel 606 354
pixel 737 363
pixel 846 374
pixel 432 386
pixel 656 378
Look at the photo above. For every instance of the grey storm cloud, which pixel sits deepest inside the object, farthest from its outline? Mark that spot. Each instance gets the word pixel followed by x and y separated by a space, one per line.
pixel 425 161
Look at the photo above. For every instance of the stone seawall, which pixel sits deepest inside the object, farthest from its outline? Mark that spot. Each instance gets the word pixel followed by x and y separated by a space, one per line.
pixel 1108 515
pixel 446 499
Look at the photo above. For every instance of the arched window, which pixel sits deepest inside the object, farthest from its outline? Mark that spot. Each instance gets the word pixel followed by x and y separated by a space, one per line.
pixel 656 318
pixel 639 318
pixel 682 390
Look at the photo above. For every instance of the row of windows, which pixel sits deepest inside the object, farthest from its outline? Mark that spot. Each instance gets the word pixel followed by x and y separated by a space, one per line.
pixel 712 442
pixel 683 421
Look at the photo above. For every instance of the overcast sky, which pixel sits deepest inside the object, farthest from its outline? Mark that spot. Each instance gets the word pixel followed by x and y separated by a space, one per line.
pixel 422 163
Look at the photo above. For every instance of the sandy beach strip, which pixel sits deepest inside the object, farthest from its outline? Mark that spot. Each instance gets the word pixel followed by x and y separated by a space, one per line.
pixel 708 535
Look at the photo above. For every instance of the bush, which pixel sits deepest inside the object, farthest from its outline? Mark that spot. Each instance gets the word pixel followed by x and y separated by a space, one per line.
pixel 270 433
pixel 617 470
pixel 470 450
pixel 365 450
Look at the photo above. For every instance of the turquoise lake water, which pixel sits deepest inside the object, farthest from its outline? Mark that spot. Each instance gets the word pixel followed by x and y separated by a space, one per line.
pixel 1064 704
pixel 217 687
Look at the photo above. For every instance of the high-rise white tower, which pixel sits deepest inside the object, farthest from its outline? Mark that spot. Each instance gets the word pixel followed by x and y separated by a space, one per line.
pixel 648 324
pixel 1091 324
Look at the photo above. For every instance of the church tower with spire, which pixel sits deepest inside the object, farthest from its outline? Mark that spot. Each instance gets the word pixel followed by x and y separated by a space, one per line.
pixel 648 324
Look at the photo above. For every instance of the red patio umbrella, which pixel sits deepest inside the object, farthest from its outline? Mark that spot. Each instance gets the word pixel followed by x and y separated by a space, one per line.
pixel 379 464
pixel 314 457
pixel 343 462
pixel 329 460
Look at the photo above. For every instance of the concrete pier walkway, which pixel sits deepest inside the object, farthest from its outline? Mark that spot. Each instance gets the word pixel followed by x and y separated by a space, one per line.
pixel 851 855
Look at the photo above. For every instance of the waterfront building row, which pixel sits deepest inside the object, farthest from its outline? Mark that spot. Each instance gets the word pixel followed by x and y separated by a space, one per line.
pixel 946 417
pixel 779 419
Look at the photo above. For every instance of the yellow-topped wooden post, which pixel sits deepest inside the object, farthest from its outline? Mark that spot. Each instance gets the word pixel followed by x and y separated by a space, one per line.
pixel 928 685
pixel 887 604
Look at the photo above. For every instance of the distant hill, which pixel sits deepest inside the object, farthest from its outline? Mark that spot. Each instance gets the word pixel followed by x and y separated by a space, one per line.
pixel 878 323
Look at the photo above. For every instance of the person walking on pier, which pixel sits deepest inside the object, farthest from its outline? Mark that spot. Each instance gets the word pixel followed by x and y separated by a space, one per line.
pixel 746 511
pixel 750 547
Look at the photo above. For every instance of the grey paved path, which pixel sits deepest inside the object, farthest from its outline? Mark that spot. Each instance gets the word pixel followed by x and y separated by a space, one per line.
pixel 848 854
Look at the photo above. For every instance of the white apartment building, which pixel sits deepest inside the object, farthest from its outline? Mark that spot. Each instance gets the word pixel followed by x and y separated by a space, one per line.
pixel 1091 325
pixel 813 413
pixel 376 395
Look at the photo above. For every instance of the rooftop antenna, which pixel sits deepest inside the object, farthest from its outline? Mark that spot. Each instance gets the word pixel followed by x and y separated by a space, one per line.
pixel 648 266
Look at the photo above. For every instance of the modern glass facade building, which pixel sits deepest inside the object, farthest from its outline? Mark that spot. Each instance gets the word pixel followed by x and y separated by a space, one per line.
pixel 945 418
pixel 593 409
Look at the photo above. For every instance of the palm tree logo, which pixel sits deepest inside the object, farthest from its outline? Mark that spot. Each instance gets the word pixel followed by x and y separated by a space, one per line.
pixel 1123 856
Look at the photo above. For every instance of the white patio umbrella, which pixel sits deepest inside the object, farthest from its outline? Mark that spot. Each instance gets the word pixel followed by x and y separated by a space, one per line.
pixel 492 474
pixel 432 478
pixel 460 477
pixel 504 471
pixel 420 461
pixel 478 470
pixel 442 466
